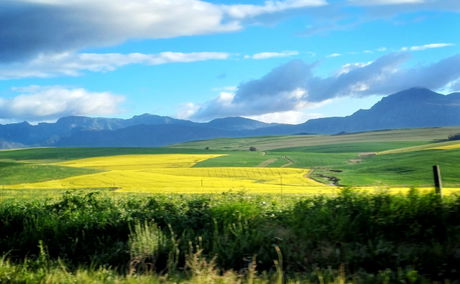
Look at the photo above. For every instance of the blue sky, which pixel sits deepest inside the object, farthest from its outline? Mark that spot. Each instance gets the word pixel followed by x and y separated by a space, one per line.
pixel 276 61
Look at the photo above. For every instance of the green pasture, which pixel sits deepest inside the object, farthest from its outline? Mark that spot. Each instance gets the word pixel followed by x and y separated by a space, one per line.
pixel 417 135
pixel 62 154
pixel 92 237
pixel 409 168
pixel 404 157
pixel 16 172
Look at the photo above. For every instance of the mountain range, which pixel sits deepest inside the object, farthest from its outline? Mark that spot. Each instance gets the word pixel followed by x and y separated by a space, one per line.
pixel 412 108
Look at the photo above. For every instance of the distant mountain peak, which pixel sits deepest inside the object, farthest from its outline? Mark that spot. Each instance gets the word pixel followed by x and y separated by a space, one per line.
pixel 232 118
pixel 416 92
pixel 238 123
pixel 411 108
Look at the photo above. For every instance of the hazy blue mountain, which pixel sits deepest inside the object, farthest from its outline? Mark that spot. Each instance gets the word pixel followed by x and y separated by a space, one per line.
pixel 143 136
pixel 412 108
pixel 238 123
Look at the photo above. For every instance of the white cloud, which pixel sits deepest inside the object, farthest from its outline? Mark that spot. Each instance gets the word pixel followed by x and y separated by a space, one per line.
pixel 57 26
pixel 225 89
pixel 293 87
pixel 334 55
pixel 186 110
pixel 404 49
pixel 289 117
pixel 267 55
pixel 269 7
pixel 37 103
pixel 384 2
pixel 72 64
pixel 347 68
pixel 426 46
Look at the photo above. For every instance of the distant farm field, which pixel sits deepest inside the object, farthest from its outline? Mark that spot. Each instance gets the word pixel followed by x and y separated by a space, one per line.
pixel 307 164
pixel 318 203
pixel 173 173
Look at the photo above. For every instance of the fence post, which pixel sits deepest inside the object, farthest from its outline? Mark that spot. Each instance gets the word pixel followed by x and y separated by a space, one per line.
pixel 437 179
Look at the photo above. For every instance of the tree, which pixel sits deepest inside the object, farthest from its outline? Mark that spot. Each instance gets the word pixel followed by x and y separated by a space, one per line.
pixel 454 137
pixel 252 149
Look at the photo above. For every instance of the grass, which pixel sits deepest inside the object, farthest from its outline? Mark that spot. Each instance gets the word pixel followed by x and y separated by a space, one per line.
pixel 397 163
pixel 62 154
pixel 231 238
pixel 439 145
pixel 277 159
pixel 111 230
pixel 417 135
pixel 357 147
pixel 235 159
pixel 16 172
pixel 408 168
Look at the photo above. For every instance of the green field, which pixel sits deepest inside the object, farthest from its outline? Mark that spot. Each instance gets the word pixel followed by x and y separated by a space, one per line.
pixel 418 135
pixel 34 165
pixel 353 164
pixel 347 160
pixel 230 238
pixel 100 236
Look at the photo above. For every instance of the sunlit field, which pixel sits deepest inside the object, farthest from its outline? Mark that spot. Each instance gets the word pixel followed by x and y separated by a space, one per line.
pixel 448 147
pixel 174 174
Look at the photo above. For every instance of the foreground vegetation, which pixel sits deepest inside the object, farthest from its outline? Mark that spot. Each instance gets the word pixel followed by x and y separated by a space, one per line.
pixel 315 234
pixel 231 238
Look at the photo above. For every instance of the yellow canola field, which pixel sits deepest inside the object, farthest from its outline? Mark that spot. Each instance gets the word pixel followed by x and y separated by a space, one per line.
pixel 137 162
pixel 447 147
pixel 174 174
pixel 404 190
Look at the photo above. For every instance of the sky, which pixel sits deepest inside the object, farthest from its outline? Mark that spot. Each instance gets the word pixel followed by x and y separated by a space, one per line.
pixel 283 61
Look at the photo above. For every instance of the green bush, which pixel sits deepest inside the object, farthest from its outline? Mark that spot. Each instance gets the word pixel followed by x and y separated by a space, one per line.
pixel 366 235
pixel 454 137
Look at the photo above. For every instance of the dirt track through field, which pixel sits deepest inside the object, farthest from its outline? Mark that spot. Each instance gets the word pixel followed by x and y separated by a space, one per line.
pixel 289 163
pixel 266 163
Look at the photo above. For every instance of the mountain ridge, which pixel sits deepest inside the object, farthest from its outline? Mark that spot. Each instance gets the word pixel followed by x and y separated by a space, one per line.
pixel 411 108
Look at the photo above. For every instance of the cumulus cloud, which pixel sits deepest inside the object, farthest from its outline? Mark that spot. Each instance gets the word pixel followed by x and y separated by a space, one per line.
pixel 72 64
pixel 289 117
pixel 267 55
pixel 294 86
pixel 38 103
pixel 280 90
pixel 29 28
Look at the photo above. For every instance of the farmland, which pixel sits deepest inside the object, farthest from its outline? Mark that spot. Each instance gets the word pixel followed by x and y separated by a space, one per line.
pixel 173 173
pixel 193 213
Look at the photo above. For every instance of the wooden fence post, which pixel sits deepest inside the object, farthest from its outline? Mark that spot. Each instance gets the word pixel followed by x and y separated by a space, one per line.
pixel 437 179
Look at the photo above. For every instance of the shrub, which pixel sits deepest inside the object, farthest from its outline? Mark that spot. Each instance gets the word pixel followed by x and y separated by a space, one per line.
pixel 454 137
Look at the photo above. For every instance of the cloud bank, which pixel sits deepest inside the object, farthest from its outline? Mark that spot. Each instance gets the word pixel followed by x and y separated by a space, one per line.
pixel 30 28
pixel 37 103
pixel 294 86
pixel 72 64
